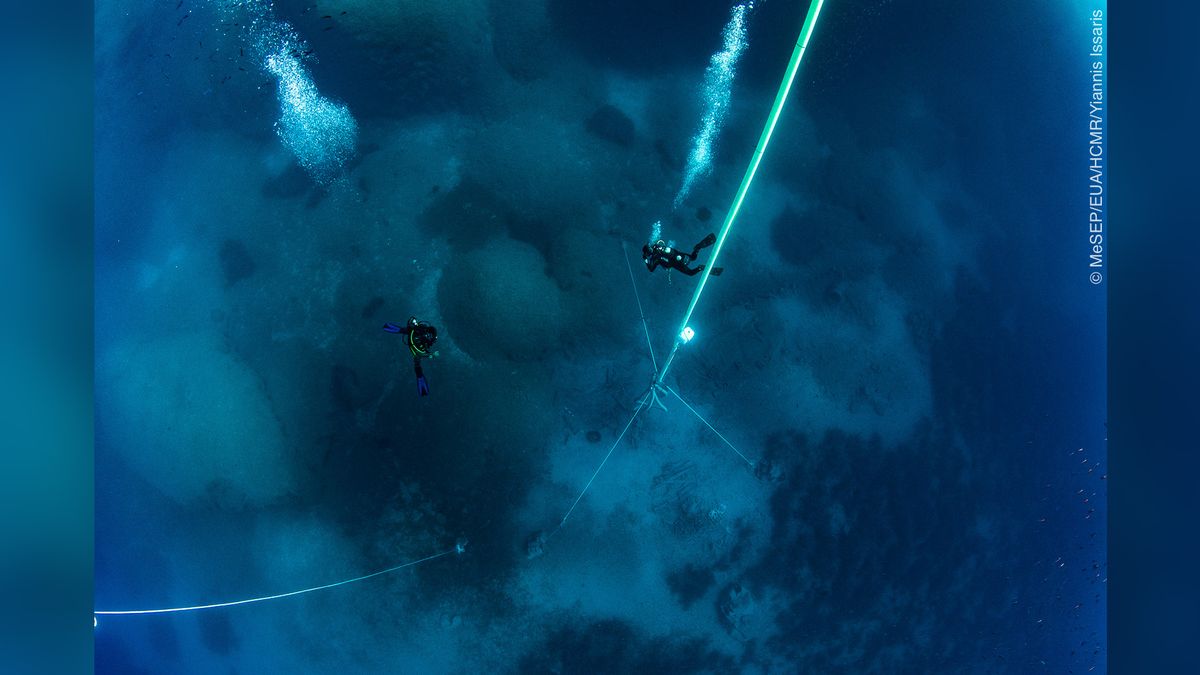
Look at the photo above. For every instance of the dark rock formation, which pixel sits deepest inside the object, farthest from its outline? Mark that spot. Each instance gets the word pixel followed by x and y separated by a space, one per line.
pixel 612 125
pixel 236 263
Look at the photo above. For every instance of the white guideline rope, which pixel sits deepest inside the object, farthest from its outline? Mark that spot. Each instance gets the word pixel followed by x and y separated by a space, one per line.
pixel 701 418
pixel 597 471
pixel 642 314
pixel 457 549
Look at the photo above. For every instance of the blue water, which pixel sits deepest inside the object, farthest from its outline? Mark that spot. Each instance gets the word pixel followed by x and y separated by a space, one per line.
pixel 904 340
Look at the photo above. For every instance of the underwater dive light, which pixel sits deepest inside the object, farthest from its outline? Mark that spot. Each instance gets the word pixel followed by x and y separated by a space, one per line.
pixel 686 334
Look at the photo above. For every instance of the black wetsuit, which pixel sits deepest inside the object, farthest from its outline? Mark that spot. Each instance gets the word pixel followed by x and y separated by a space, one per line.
pixel 661 255
pixel 421 337
pixel 665 256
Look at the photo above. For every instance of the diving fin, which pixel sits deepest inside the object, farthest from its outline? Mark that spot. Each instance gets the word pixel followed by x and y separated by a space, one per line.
pixel 422 385
pixel 391 327
pixel 707 241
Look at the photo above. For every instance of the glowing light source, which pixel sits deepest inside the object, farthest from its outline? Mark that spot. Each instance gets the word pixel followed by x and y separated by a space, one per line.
pixel 687 334
pixel 789 76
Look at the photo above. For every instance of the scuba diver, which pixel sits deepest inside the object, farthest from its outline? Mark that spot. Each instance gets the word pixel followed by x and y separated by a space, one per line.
pixel 659 254
pixel 421 338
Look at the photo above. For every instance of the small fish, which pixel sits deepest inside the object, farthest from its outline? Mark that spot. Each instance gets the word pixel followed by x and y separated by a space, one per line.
pixel 241 69
pixel 327 17
pixel 179 5
pixel 329 28
pixel 342 14
pixel 185 16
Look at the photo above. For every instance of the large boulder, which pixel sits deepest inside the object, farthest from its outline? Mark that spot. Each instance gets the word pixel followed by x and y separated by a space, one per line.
pixel 193 421
pixel 498 302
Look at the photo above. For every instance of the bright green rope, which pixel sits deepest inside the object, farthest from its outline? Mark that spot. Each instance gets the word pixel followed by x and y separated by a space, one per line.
pixel 810 22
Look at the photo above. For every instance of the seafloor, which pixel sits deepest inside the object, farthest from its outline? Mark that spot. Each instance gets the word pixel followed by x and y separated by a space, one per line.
pixel 886 343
